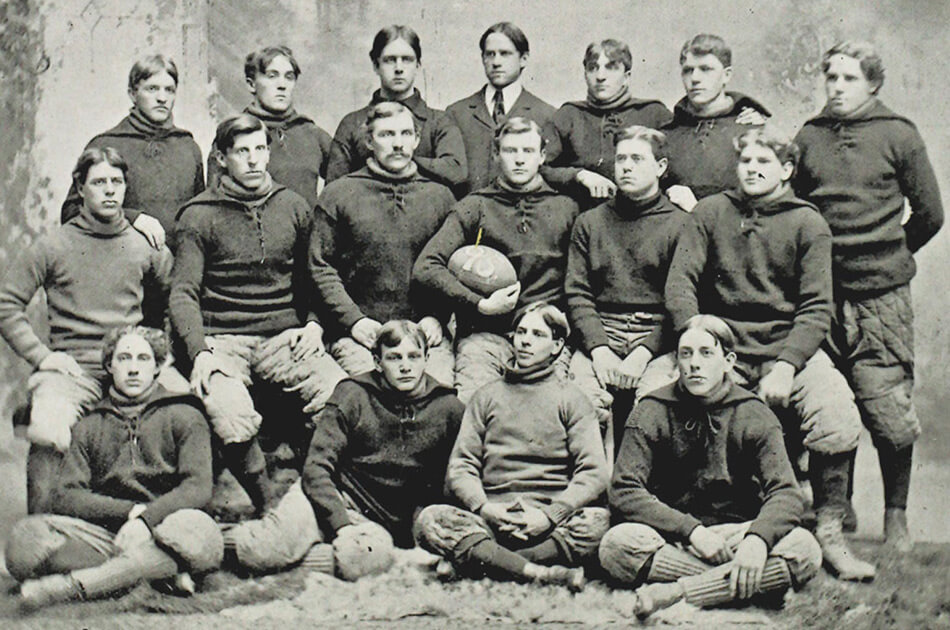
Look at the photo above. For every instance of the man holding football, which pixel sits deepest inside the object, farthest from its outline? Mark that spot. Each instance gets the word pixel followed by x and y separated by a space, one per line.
pixel 524 219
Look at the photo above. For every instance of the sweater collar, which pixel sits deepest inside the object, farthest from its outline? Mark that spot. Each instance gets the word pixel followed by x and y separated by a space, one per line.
pixel 414 102
pixel 874 109
pixel 495 191
pixel 516 374
pixel 88 223
pixel 374 382
pixel 615 102
pixel 685 114
pixel 130 407
pixel 723 397
pixel 788 201
pixel 531 187
pixel 253 198
pixel 633 208
pixel 379 172
pixel 147 128
pixel 276 121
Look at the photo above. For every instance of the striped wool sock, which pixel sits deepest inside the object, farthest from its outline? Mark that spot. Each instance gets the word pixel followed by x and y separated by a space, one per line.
pixel 712 587
pixel 671 563
pixel 319 558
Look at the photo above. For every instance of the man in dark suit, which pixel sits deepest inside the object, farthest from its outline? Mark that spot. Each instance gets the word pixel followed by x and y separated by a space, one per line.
pixel 504 54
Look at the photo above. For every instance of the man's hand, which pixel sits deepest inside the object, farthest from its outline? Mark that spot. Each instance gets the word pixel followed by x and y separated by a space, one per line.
pixel 750 116
pixel 682 196
pixel 345 531
pixel 151 228
pixel 607 368
pixel 132 534
pixel 62 363
pixel 207 363
pixel 635 363
pixel 364 331
pixel 532 522
pixel 501 301
pixel 775 388
pixel 432 329
pixel 306 341
pixel 497 514
pixel 747 566
pixel 596 184
pixel 710 546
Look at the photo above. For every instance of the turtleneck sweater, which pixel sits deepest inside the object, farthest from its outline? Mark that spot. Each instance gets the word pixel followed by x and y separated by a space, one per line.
pixel 529 435
pixel 165 169
pixel 96 276
pixel 762 266
pixel 618 261
pixel 369 228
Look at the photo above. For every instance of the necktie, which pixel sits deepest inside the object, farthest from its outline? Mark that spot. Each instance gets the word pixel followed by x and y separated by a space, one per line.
pixel 498 108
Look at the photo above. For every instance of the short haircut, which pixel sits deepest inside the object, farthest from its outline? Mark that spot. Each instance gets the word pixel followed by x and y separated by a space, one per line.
pixel 93 156
pixel 786 150
pixel 234 126
pixel 156 338
pixel 388 35
pixel 516 125
pixel 706 44
pixel 717 328
pixel 394 332
pixel 386 109
pixel 613 49
pixel 552 316
pixel 149 66
pixel 509 30
pixel 656 139
pixel 256 62
pixel 865 53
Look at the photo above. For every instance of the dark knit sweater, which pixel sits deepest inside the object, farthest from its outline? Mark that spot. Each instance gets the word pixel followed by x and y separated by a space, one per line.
pixel 160 458
pixel 529 435
pixel 387 451
pixel 580 137
pixel 440 154
pixel 532 229
pixel 368 232
pixel 299 154
pixel 478 132
pixel 682 464
pixel 700 150
pixel 618 260
pixel 858 172
pixel 96 277
pixel 763 267
pixel 165 170
pixel 240 270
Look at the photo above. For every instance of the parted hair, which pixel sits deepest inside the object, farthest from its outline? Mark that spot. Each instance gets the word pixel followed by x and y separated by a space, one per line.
pixel 256 62
pixel 656 139
pixel 871 64
pixel 157 340
pixel 706 44
pixel 554 317
pixel 388 35
pixel 91 157
pixel 234 126
pixel 717 328
pixel 151 65
pixel 509 30
pixel 613 49
pixel 786 150
pixel 386 109
pixel 393 332
pixel 516 125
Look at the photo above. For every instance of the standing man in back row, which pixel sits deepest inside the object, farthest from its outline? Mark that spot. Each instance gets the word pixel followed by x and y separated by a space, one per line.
pixel 504 55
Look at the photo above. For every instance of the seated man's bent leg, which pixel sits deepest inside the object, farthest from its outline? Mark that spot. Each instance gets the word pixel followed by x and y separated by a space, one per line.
pixel 440 363
pixel 582 374
pixel 630 552
pixel 51 543
pixel 313 378
pixel 574 541
pixel 659 372
pixel 800 549
pixel 57 401
pixel 480 358
pixel 352 356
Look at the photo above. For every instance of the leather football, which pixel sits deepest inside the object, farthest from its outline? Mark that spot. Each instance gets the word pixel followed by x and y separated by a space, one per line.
pixel 482 269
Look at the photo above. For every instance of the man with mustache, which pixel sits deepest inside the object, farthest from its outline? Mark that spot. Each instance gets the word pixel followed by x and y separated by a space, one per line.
pixel 368 231
pixel 164 161
pixel 241 301
pixel 760 259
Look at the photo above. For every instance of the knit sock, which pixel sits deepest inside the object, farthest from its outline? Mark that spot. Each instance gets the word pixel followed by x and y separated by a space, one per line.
pixel 147 562
pixel 42 466
pixel 319 558
pixel 670 563
pixel 713 587
pixel 481 554
pixel 829 478
pixel 548 551
pixel 896 466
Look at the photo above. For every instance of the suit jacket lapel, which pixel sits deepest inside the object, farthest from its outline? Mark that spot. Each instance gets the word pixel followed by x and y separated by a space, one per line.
pixel 477 107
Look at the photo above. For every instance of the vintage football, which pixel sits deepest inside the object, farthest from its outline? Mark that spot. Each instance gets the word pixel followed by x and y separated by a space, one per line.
pixel 482 269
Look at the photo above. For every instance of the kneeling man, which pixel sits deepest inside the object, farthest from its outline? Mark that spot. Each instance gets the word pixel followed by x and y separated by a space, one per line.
pixel 705 489
pixel 378 454
pixel 130 490
pixel 527 469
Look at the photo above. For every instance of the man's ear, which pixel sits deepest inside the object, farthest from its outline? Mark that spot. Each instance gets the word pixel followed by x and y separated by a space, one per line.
pixel 788 169
pixel 524 61
pixel 726 75
pixel 219 158
pixel 662 165
pixel 559 343
pixel 131 93
pixel 730 361
pixel 250 85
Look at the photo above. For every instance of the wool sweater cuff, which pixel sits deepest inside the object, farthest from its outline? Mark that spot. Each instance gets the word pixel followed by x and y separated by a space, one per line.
pixel 558 512
pixel 766 531
pixel 338 519
pixel 37 355
pixel 793 356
